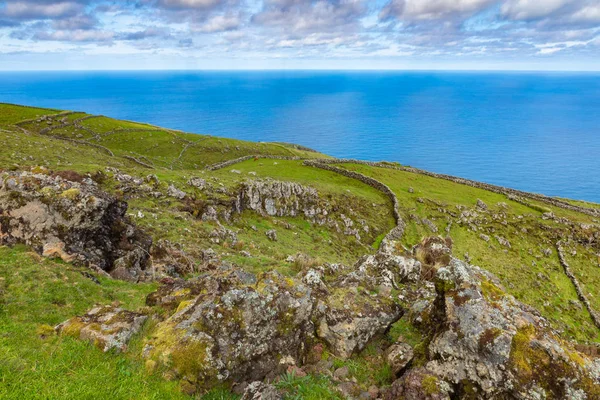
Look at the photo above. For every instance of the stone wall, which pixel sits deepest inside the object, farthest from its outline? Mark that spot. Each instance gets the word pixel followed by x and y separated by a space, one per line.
pixel 228 163
pixel 397 232
pixel 480 185
pixel 582 297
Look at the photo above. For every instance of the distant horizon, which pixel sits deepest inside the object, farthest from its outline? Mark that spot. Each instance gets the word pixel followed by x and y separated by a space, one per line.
pixel 307 70
pixel 489 126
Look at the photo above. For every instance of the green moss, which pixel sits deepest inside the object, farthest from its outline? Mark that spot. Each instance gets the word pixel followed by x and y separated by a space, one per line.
pixel 404 331
pixel 73 327
pixel 188 359
pixel 430 384
pixel 491 292
pixel 71 194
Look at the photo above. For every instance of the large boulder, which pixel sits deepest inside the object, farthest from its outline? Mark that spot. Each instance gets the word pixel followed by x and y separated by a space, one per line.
pixel 226 328
pixel 482 343
pixel 277 198
pixel 74 220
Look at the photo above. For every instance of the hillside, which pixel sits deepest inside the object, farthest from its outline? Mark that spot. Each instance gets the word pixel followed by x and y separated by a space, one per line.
pixel 233 257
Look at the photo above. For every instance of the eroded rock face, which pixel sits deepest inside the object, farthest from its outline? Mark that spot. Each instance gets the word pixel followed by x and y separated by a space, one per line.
pixel 399 356
pixel 73 220
pixel 226 328
pixel 229 326
pixel 483 342
pixel 107 327
pixel 281 199
pixel 350 318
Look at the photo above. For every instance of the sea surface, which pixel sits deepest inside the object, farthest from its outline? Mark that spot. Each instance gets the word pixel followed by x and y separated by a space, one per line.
pixel 538 132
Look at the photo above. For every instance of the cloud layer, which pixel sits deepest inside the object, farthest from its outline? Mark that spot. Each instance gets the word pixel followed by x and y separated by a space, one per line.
pixel 392 30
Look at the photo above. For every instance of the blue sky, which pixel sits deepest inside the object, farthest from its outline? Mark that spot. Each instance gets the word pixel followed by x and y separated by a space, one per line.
pixel 300 34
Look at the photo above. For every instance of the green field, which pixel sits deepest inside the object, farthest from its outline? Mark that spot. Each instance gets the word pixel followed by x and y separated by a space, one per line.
pixel 36 293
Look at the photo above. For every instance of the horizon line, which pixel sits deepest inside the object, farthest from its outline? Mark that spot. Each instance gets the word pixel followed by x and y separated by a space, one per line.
pixel 302 70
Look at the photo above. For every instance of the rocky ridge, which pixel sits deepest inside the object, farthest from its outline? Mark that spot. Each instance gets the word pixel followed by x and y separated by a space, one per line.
pixel 234 327
pixel 71 218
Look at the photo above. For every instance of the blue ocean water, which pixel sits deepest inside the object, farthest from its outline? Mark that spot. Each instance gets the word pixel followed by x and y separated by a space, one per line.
pixel 538 132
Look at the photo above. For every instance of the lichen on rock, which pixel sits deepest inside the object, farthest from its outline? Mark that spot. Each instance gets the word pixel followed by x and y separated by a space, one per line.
pixel 75 221
pixel 107 327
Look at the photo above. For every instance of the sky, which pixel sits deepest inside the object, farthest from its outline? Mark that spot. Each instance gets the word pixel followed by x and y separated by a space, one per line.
pixel 300 34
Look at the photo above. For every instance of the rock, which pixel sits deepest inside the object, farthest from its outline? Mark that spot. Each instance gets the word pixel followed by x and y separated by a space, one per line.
pixel 261 391
pixel 295 371
pixel 57 250
pixel 258 330
pixel 373 392
pixel 313 278
pixel 486 342
pixel 341 373
pixel 153 179
pixel 411 190
pixel 210 214
pixel 432 227
pixel 277 198
pixel 349 319
pixel 172 191
pixel 197 182
pixel 481 205
pixel 504 242
pixel 235 171
pixel 107 327
pixel 349 390
pixel 548 215
pixel 72 220
pixel 272 235
pixel 418 384
pixel 483 237
pixel 398 357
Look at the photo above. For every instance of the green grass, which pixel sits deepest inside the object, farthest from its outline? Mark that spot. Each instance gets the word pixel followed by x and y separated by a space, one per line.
pixel 525 272
pixel 11 114
pixel 309 387
pixel 36 293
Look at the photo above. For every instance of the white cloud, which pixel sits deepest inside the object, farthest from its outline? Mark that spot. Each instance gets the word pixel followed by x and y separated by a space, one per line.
pixel 198 4
pixel 311 16
pixel 37 10
pixel 219 23
pixel 531 9
pixel 432 9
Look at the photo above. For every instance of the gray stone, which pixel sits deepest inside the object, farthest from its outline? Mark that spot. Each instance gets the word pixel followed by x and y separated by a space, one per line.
pixel 72 220
pixel 107 327
pixel 272 235
pixel 172 191
pixel 399 355
pixel 261 391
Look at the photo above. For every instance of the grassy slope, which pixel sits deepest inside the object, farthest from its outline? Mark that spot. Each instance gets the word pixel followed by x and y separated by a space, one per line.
pixel 529 275
pixel 36 292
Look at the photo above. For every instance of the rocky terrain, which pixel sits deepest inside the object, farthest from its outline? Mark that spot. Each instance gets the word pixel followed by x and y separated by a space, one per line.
pixel 275 272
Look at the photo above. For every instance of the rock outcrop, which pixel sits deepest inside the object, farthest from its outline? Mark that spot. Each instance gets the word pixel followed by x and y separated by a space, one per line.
pixel 230 326
pixel 281 199
pixel 74 220
pixel 484 344
pixel 107 327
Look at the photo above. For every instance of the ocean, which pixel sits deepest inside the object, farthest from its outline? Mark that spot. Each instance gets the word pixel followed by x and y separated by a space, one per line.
pixel 538 132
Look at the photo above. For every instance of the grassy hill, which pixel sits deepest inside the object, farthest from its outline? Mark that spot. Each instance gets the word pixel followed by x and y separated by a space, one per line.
pixel 514 238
